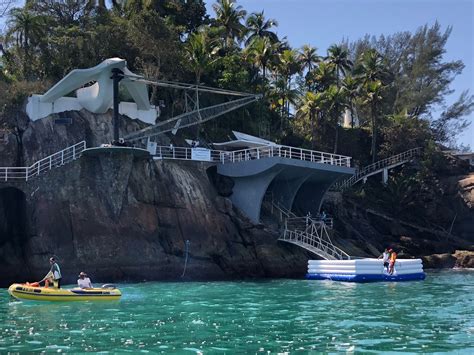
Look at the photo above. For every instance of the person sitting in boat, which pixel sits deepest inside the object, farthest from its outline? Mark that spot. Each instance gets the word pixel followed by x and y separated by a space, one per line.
pixel 393 258
pixel 386 258
pixel 53 276
pixel 84 281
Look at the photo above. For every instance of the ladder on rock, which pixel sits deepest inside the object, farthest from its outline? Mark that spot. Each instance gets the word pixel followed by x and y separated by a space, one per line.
pixel 55 160
pixel 377 167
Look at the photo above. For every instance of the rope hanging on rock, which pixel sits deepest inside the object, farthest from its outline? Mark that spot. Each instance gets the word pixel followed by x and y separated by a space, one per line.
pixel 186 259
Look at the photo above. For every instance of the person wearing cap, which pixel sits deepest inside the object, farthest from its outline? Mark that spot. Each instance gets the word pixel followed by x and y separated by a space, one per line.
pixel 84 281
pixel 54 275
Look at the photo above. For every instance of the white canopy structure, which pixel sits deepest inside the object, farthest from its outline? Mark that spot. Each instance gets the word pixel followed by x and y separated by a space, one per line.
pixel 96 98
pixel 244 141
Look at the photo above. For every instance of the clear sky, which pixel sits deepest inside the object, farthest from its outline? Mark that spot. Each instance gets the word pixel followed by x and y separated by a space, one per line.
pixel 324 22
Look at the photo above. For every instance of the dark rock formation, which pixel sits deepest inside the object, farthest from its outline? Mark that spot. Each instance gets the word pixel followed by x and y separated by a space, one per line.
pixel 433 227
pixel 120 217
pixel 439 261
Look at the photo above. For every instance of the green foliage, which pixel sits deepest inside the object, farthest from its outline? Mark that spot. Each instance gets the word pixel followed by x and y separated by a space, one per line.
pixel 259 27
pixel 403 132
pixel 391 83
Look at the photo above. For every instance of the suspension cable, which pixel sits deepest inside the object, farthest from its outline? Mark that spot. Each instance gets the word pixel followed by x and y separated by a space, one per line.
pixel 185 86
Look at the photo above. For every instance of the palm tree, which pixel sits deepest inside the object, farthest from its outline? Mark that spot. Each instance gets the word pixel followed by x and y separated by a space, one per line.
pixel 372 67
pixel 351 89
pixel 200 53
pixel 288 65
pixel 26 28
pixel 339 58
pixel 228 16
pixel 335 100
pixel 258 27
pixel 322 76
pixel 308 57
pixel 260 52
pixel 373 97
pixel 310 106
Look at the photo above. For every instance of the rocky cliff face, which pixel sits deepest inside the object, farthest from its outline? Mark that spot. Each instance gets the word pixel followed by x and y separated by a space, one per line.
pixel 121 217
pixel 443 237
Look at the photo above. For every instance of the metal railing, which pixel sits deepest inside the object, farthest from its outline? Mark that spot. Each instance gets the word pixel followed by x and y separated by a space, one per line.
pixel 377 167
pixel 224 157
pixel 282 213
pixel 315 244
pixel 313 236
pixel 54 160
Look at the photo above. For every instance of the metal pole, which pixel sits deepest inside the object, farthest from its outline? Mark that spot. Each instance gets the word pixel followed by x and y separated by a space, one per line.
pixel 117 75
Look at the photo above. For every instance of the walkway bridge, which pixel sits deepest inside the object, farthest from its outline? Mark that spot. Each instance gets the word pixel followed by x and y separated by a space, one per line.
pixel 313 236
pixel 293 175
pixel 26 173
pixel 381 166
pixel 310 233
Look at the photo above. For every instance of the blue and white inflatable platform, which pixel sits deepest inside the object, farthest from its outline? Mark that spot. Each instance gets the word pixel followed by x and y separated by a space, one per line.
pixel 364 270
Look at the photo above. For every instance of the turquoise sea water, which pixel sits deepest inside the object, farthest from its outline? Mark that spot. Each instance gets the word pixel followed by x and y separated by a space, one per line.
pixel 279 316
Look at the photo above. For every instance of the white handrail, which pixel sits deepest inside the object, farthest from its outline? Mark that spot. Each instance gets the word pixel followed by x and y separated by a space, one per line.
pixel 377 167
pixel 223 157
pixel 315 244
pixel 54 160
pixel 313 236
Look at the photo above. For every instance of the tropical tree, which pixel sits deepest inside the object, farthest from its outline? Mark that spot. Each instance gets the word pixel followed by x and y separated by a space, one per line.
pixel 229 17
pixel 321 77
pixel 372 98
pixel 308 57
pixel 351 90
pixel 200 52
pixel 339 58
pixel 335 101
pixel 26 28
pixel 288 65
pixel 259 27
pixel 372 68
pixel 309 107
pixel 260 53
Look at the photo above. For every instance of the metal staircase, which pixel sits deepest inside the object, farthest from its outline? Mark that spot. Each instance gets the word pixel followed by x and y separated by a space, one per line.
pixel 313 236
pixel 55 160
pixel 377 167
pixel 307 232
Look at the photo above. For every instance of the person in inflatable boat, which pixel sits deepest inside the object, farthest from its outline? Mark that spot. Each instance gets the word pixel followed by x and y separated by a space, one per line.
pixel 393 258
pixel 385 258
pixel 83 281
pixel 53 276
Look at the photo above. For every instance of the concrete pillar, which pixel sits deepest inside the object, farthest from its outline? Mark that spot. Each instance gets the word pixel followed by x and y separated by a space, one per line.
pixel 248 193
pixel 385 176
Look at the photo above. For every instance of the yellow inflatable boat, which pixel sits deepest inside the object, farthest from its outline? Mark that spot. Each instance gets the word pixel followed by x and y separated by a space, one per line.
pixel 29 292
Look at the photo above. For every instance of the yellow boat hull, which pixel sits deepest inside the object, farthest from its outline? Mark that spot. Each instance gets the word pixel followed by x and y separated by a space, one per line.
pixel 28 292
